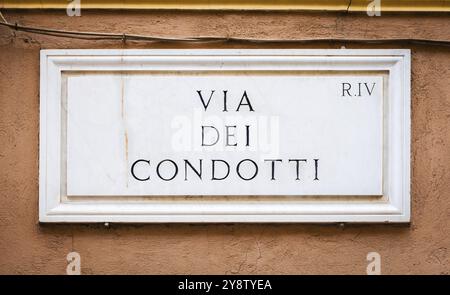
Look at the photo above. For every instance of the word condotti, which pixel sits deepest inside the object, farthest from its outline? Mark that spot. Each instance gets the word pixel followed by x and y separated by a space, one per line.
pixel 220 169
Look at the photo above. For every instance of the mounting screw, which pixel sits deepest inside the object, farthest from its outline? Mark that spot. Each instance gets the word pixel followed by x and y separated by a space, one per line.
pixel 106 224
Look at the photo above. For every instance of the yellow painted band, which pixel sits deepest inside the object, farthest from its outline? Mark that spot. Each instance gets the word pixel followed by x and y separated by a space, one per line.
pixel 313 5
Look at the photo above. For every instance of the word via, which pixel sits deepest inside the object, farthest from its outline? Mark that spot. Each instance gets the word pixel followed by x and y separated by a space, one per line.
pixel 245 101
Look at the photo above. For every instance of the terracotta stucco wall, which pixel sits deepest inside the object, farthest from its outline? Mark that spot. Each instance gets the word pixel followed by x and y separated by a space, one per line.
pixel 420 247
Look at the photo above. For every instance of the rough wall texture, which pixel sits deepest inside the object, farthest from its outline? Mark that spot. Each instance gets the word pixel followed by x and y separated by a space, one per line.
pixel 29 247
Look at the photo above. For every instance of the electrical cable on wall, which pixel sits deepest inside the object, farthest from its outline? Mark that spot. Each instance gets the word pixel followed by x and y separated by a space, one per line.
pixel 201 39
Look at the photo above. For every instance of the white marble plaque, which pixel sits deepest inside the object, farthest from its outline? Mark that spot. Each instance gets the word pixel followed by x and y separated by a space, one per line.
pixel 124 128
pixel 238 133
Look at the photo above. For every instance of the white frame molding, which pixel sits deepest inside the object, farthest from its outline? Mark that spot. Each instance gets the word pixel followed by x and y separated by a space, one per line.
pixel 394 206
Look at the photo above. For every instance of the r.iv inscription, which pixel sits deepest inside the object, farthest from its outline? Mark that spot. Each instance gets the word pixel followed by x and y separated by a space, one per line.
pixel 357 89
